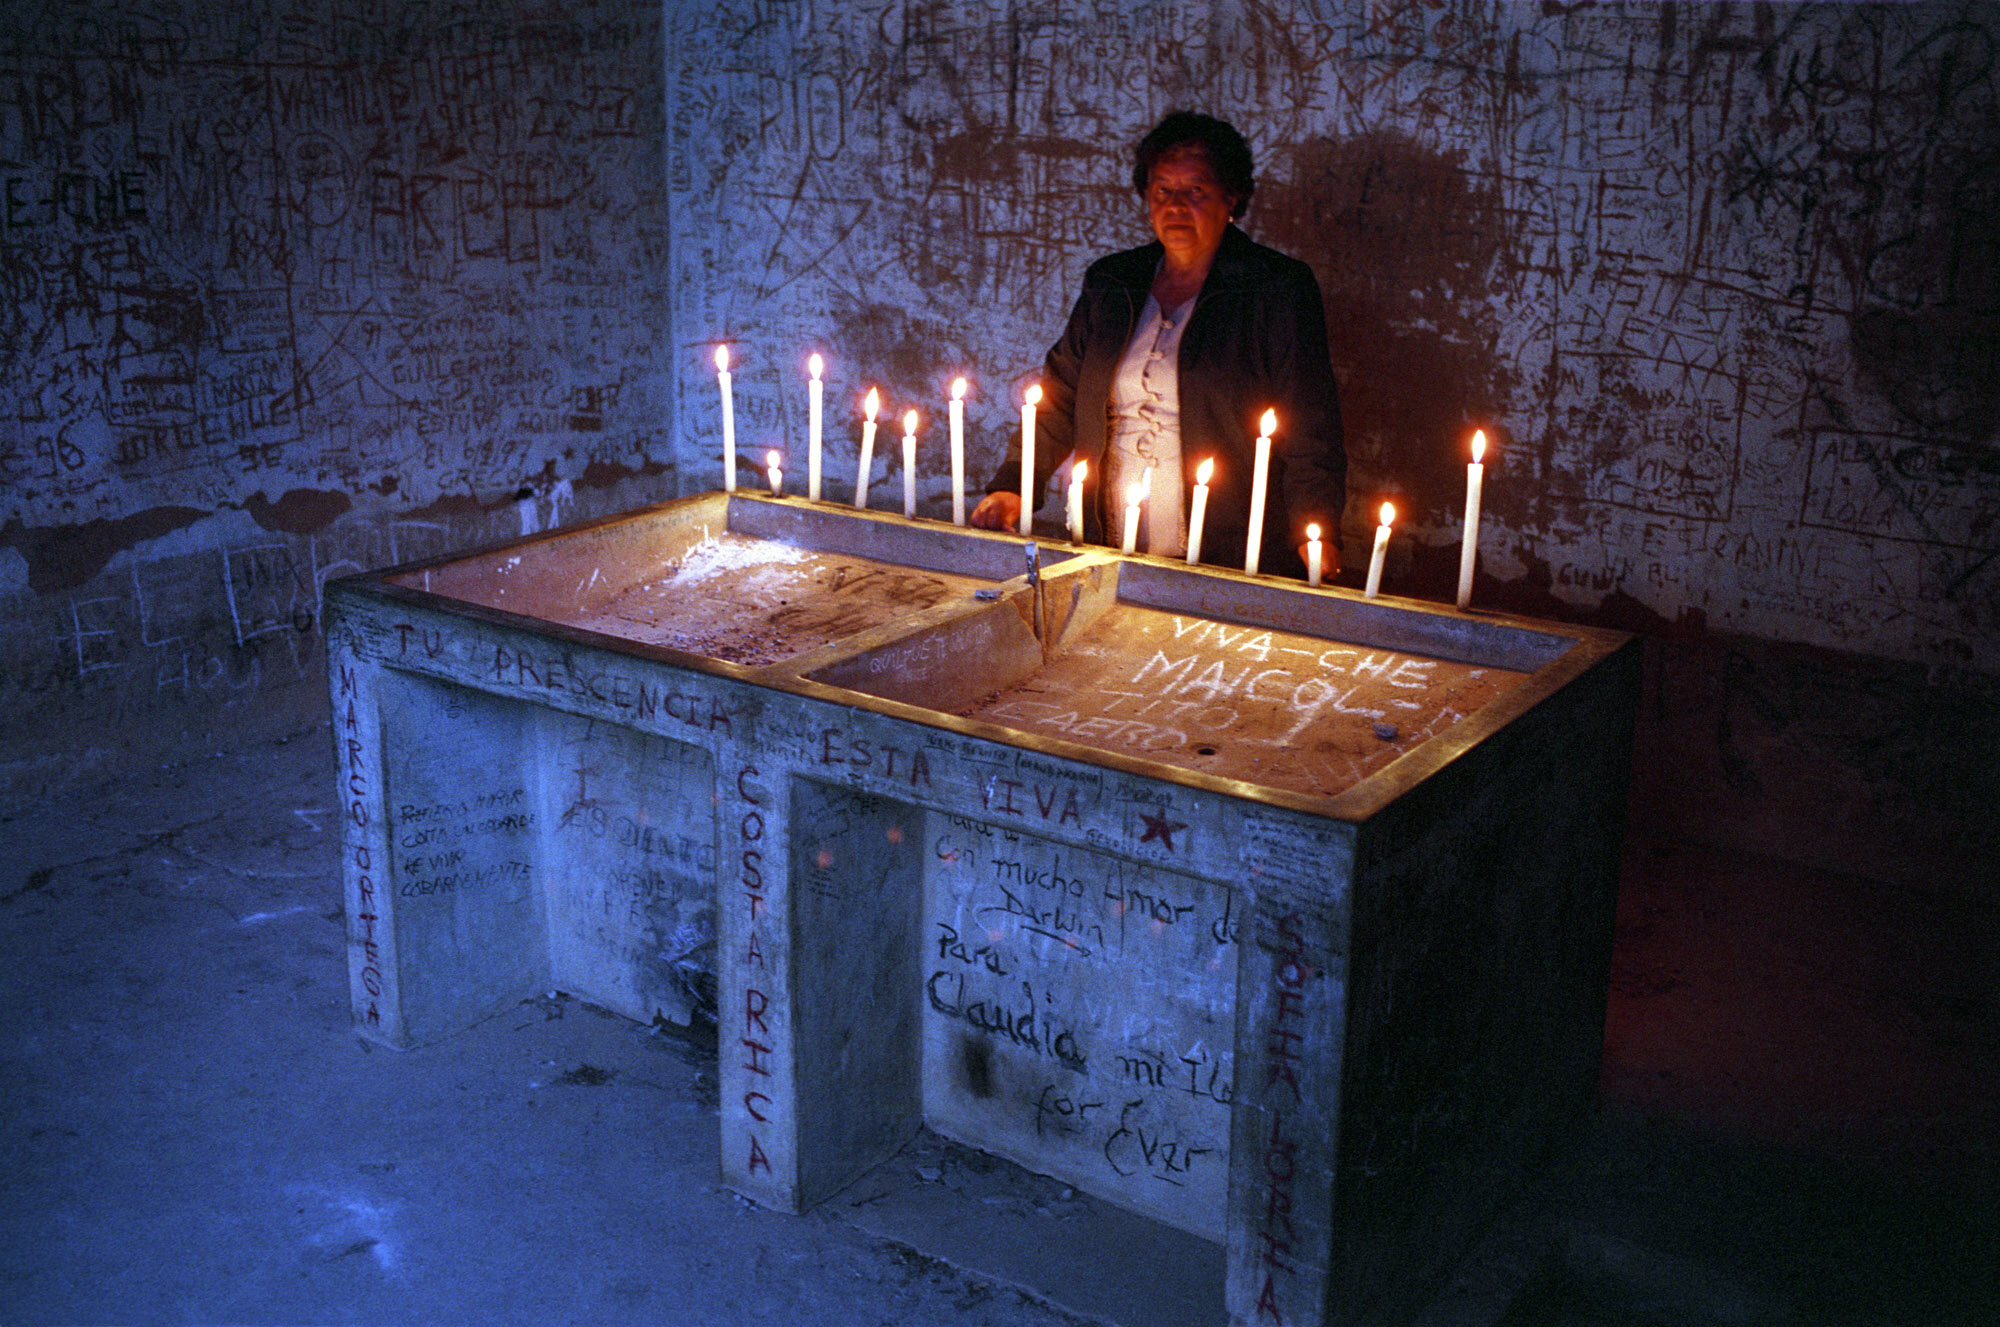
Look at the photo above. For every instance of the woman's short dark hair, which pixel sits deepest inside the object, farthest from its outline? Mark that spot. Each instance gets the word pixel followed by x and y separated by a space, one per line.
pixel 1228 155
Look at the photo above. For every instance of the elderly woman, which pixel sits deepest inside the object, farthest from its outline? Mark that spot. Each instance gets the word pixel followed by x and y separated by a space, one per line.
pixel 1174 351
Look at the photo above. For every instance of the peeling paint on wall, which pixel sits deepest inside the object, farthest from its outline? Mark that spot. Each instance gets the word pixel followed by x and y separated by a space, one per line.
pixel 297 510
pixel 62 557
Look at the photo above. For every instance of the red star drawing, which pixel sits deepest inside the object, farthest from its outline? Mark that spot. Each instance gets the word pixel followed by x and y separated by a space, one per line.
pixel 1161 828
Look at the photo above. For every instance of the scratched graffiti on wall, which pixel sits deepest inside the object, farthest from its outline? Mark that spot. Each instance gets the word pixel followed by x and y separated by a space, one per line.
pixel 285 262
pixel 296 292
pixel 1716 277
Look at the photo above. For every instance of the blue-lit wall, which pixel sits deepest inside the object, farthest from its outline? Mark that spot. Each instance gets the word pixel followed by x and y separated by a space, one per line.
pixel 323 286
pixel 292 290
pixel 1719 278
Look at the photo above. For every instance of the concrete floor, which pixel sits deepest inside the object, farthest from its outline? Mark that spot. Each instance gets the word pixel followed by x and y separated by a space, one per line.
pixel 1800 1122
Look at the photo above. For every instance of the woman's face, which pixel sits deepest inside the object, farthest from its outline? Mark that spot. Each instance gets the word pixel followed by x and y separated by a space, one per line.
pixel 1188 205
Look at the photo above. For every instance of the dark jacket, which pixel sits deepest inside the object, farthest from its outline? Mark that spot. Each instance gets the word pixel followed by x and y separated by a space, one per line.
pixel 1256 341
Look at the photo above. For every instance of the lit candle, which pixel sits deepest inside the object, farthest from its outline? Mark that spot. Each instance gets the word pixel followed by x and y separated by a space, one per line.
pixel 1313 553
pixel 1029 498
pixel 1260 479
pixel 910 464
pixel 1199 512
pixel 1381 549
pixel 869 408
pixel 1077 474
pixel 958 451
pixel 728 420
pixel 1468 551
pixel 815 396
pixel 1134 495
pixel 777 473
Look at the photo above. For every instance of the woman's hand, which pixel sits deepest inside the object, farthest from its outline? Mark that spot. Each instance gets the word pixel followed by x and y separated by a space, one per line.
pixel 997 511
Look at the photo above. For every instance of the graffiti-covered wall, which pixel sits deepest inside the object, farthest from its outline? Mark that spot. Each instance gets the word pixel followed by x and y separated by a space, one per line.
pixel 1721 279
pixel 293 289
pixel 298 288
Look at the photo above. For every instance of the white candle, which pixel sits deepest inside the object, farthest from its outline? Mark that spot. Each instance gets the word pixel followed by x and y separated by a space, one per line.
pixel 1381 550
pixel 1029 498
pixel 1077 474
pixel 958 451
pixel 777 473
pixel 1468 551
pixel 910 465
pixel 728 420
pixel 869 408
pixel 1199 512
pixel 1260 479
pixel 1313 555
pixel 1134 495
pixel 815 396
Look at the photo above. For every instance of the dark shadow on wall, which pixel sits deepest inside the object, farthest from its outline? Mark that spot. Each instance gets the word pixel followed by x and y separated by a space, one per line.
pixel 1405 242
pixel 907 354
pixel 1927 338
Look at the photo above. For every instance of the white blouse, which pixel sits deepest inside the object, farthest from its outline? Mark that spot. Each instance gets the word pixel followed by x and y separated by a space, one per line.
pixel 1146 432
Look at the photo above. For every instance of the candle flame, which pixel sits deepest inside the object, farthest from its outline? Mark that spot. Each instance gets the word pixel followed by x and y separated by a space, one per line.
pixel 910 422
pixel 1388 512
pixel 1078 475
pixel 1205 471
pixel 1268 424
pixel 815 365
pixel 771 458
pixel 1478 445
pixel 1312 533
pixel 1034 396
pixel 958 389
pixel 872 404
pixel 1136 494
pixel 722 359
